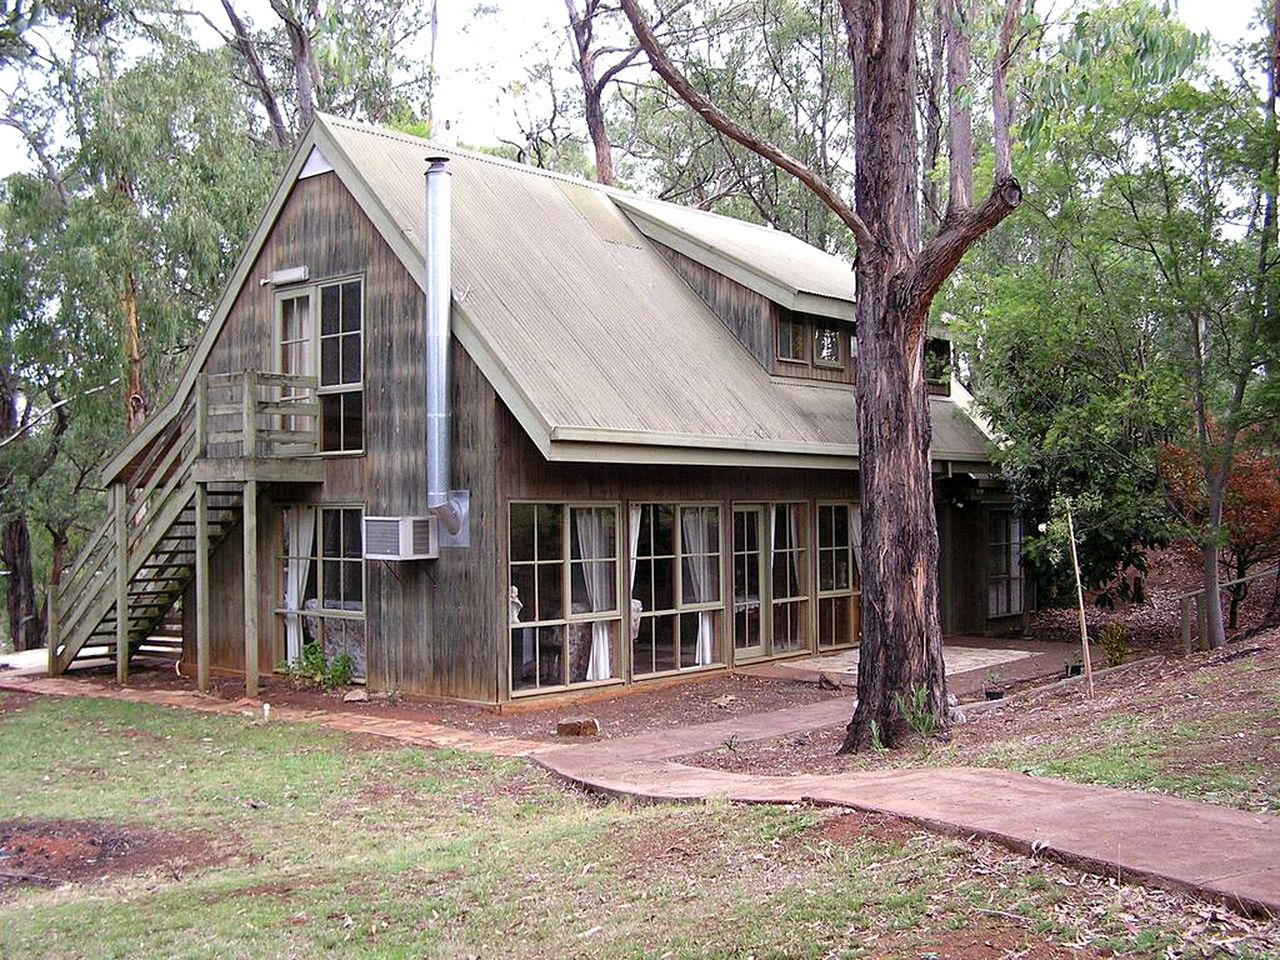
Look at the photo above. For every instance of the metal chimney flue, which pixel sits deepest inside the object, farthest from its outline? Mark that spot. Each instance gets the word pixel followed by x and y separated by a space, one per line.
pixel 451 507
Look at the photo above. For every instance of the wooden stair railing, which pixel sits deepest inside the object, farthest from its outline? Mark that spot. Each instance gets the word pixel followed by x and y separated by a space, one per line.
pixel 145 550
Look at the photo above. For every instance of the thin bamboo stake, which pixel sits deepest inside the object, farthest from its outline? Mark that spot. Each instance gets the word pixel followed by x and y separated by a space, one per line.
pixel 1084 630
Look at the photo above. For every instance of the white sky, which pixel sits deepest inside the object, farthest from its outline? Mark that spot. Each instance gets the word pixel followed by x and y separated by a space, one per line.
pixel 475 58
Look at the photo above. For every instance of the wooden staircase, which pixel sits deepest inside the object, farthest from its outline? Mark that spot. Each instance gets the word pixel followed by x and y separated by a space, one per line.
pixel 184 493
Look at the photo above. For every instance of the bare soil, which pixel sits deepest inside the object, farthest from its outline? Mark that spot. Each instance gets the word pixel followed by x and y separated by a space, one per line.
pixel 640 709
pixel 54 852
pixel 1240 679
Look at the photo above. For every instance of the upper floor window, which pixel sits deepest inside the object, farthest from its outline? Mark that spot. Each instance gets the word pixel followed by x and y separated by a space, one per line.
pixel 337 341
pixel 826 344
pixel 341 366
pixel 791 340
pixel 937 365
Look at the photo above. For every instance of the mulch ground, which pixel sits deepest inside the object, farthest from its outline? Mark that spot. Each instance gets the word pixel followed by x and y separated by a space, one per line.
pixel 53 852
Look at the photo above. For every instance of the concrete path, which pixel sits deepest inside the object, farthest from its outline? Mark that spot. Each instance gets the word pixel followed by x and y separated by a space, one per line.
pixel 1216 853
pixel 1213 852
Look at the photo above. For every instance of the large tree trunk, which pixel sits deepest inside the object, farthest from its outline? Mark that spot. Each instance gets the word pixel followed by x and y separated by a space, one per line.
pixel 26 628
pixel 901 636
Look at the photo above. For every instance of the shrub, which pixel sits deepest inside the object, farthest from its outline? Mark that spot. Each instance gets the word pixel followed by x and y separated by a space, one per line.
pixel 312 666
pixel 1114 641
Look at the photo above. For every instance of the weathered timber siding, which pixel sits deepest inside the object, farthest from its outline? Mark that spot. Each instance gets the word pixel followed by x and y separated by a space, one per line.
pixel 752 318
pixel 431 626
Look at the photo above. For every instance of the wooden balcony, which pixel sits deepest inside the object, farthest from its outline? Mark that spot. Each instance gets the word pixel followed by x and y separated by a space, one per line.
pixel 257 426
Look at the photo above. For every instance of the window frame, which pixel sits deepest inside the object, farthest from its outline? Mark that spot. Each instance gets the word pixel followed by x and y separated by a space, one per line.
pixel 808 587
pixel 681 607
pixel 833 326
pixel 566 599
pixel 314 290
pixel 1008 518
pixel 791 319
pixel 854 590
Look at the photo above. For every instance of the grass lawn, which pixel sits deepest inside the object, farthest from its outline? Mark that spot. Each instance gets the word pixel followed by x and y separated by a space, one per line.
pixel 301 843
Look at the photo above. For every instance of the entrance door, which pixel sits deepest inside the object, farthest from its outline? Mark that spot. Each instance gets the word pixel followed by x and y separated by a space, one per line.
pixel 750 607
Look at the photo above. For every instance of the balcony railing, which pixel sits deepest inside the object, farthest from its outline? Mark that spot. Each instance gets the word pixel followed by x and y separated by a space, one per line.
pixel 253 416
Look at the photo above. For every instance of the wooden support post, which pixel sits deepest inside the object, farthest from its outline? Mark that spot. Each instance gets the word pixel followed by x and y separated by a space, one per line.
pixel 202 414
pixel 122 582
pixel 202 586
pixel 1185 624
pixel 1084 628
pixel 251 588
pixel 51 628
pixel 249 408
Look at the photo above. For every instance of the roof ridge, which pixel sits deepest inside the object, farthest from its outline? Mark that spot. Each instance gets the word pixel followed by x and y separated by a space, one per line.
pixel 391 134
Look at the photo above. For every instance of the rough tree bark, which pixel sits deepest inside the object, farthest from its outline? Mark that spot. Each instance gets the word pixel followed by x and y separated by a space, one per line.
pixel 897 279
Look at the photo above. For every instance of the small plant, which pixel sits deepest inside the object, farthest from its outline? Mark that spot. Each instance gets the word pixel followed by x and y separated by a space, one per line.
pixel 731 743
pixel 1114 641
pixel 312 666
pixel 877 744
pixel 915 710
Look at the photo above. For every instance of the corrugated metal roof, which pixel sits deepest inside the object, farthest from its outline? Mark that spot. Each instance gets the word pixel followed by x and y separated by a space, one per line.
pixel 584 326
pixel 775 256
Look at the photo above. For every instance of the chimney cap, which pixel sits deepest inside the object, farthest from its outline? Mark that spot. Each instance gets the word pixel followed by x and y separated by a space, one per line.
pixel 437 160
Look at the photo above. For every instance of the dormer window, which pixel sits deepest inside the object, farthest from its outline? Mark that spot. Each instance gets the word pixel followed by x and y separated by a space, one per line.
pixel 937 366
pixel 826 344
pixel 791 339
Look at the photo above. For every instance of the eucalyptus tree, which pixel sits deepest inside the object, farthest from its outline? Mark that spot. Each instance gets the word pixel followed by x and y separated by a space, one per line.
pixel 1135 309
pixel 780 68
pixel 898 273
pixel 356 59
pixel 149 176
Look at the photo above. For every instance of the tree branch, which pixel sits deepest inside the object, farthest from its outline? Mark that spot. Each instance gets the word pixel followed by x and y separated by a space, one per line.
pixel 736 132
pixel 942 255
pixel 244 43
pixel 1001 108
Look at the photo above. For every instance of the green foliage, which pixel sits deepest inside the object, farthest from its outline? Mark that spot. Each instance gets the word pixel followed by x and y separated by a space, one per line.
pixel 1075 321
pixel 312 666
pixel 780 69
pixel 1114 639
pixel 915 710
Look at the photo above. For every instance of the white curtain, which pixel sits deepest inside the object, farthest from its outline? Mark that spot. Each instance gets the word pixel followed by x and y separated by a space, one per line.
pixel 695 545
pixel 300 528
pixel 797 568
pixel 636 606
pixel 594 548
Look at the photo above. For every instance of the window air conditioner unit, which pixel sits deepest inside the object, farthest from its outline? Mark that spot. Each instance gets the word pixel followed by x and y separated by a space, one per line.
pixel 401 538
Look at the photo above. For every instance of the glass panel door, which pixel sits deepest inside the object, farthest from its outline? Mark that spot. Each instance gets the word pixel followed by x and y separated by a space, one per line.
pixel 749 605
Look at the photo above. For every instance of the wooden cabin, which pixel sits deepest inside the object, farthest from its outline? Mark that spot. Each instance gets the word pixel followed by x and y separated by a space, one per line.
pixel 642 459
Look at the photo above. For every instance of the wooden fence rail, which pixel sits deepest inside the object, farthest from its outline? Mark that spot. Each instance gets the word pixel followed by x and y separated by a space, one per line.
pixel 1197 597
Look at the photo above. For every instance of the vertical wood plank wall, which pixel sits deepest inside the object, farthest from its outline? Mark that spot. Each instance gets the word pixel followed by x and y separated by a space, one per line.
pixel 431 627
pixel 440 627
pixel 752 318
